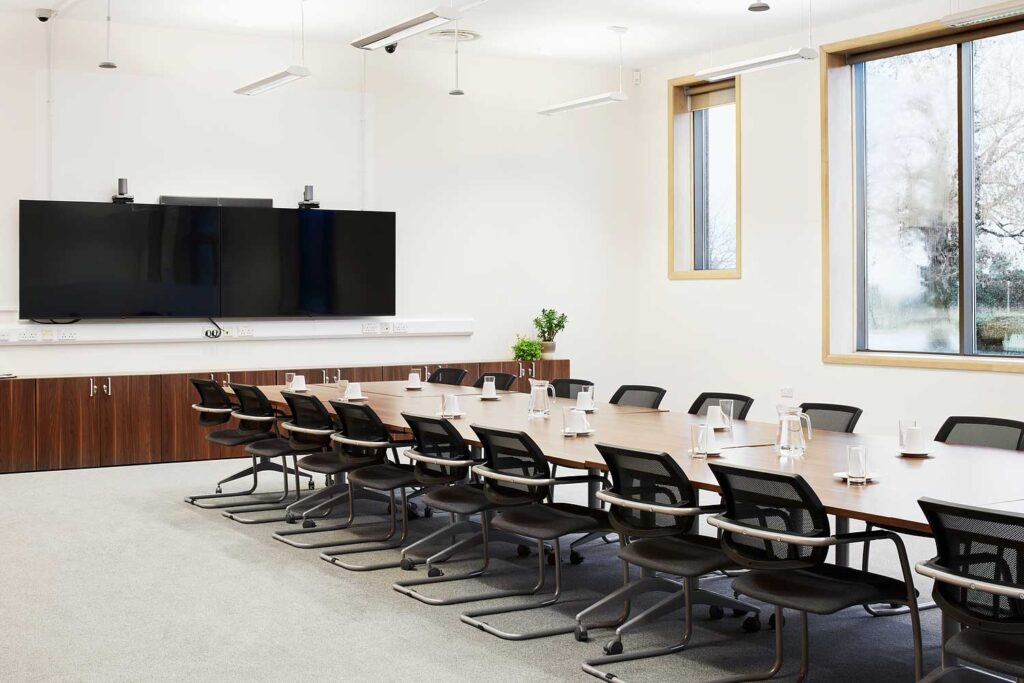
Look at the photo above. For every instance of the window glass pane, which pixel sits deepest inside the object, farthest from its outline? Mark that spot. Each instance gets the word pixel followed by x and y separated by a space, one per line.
pixel 999 193
pixel 715 219
pixel 910 200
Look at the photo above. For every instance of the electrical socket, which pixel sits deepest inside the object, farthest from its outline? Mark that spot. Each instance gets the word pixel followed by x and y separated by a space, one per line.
pixel 229 332
pixel 67 335
pixel 387 328
pixel 401 327
pixel 787 392
pixel 27 334
pixel 371 328
pixel 5 335
pixel 246 331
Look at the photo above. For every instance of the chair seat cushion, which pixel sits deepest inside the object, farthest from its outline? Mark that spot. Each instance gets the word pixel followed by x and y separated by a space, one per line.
pixel 550 521
pixel 686 556
pixel 463 499
pixel 998 651
pixel 322 463
pixel 269 448
pixel 353 462
pixel 237 437
pixel 382 477
pixel 825 589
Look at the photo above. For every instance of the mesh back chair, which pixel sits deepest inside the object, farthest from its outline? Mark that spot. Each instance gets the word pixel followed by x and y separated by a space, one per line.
pixel 992 432
pixel 568 388
pixel 832 417
pixel 517 478
pixel 503 381
pixel 638 395
pixel 453 376
pixel 364 438
pixel 655 509
pixel 979 584
pixel 741 403
pixel 776 526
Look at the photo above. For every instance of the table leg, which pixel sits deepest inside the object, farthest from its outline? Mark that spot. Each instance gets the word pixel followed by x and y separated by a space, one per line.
pixel 950 628
pixel 842 551
pixel 592 488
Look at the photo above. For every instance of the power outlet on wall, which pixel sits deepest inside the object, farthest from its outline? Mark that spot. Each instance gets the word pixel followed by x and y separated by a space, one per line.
pixel 246 331
pixel 401 328
pixel 64 335
pixel 27 334
pixel 371 328
pixel 387 328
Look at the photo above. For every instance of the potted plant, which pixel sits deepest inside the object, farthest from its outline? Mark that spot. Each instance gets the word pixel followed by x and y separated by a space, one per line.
pixel 549 323
pixel 526 349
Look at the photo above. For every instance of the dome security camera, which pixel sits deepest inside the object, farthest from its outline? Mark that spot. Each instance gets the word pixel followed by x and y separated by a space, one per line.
pixel 390 49
pixel 44 15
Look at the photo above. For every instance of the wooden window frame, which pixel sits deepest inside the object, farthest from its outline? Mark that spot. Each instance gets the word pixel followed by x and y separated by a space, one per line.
pixel 678 91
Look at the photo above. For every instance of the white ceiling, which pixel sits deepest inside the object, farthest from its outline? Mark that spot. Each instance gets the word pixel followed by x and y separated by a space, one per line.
pixel 571 30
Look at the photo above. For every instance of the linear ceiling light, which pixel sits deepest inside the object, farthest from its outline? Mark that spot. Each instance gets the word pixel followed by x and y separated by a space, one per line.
pixel 594 100
pixel 439 16
pixel 719 73
pixel 1003 10
pixel 290 74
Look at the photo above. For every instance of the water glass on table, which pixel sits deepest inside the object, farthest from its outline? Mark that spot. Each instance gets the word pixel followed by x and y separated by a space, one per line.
pixel 856 465
pixel 702 440
pixel 289 380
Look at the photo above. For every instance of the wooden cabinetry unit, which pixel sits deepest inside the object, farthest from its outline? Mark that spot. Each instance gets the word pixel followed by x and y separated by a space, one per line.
pixel 17 425
pixel 401 372
pixel 527 370
pixel 332 375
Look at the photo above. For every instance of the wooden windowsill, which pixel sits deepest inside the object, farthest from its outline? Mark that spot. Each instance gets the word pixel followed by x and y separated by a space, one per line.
pixel 730 274
pixel 921 360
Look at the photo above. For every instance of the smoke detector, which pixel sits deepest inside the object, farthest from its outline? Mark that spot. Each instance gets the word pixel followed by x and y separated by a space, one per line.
pixel 453 35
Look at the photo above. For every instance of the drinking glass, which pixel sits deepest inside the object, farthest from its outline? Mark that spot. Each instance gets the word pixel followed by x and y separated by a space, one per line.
pixel 726 404
pixel 289 379
pixel 856 465
pixel 905 424
pixel 489 389
pixel 568 422
pixel 699 440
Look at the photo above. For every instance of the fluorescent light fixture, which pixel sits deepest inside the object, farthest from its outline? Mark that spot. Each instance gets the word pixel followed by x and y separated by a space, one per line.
pixel 1002 10
pixel 292 73
pixel 584 102
pixel 719 73
pixel 435 18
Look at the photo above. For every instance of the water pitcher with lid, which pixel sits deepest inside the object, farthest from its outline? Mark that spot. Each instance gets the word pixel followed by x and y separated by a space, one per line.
pixel 541 394
pixel 789 440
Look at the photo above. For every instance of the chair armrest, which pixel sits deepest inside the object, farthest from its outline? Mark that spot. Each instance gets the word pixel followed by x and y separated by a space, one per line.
pixel 615 499
pixel 253 418
pixel 204 409
pixel 416 456
pixel 580 479
pixel 943 575
pixel 488 473
pixel 292 427
pixel 341 438
pixel 863 537
pixel 724 524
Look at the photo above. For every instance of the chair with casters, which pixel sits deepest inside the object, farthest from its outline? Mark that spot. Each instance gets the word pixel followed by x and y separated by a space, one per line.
pixel 979 586
pixel 568 388
pixel 741 403
pixel 503 381
pixel 775 526
pixel 638 395
pixel 832 417
pixel 654 508
pixel 517 478
pixel 257 421
pixel 990 432
pixel 453 376
pixel 362 430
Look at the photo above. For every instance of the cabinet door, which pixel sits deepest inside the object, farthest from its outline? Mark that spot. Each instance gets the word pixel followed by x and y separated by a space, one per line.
pixel 69 424
pixel 513 368
pixel 181 436
pixel 17 425
pixel 132 414
pixel 401 372
pixel 551 369
pixel 373 373
pixel 472 371
pixel 312 375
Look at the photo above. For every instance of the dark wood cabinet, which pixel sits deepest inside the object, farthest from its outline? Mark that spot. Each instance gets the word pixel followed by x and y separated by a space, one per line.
pixel 332 375
pixel 17 425
pixel 513 367
pixel 132 417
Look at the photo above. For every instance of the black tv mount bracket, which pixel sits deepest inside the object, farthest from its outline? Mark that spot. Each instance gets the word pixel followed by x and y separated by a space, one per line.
pixel 122 196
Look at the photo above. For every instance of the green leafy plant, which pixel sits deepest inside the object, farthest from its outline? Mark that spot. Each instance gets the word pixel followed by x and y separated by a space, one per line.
pixel 526 349
pixel 549 323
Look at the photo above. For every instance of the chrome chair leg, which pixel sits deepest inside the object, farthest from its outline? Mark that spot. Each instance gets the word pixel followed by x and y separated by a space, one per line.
pixel 776 664
pixel 221 500
pixel 387 542
pixel 240 514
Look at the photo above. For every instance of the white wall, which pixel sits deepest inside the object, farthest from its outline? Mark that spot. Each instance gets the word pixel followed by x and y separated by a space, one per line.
pixel 759 333
pixel 500 211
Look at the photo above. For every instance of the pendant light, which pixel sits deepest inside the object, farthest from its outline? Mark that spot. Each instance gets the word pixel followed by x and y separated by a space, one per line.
pixel 594 100
pixel 107 63
pixel 456 90
pixel 290 74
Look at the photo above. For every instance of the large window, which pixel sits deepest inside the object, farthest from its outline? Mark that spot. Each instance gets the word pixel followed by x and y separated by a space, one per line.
pixel 940 198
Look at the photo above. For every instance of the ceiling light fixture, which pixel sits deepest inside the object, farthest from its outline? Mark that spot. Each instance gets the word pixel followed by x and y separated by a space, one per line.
pixel 107 63
pixel 439 16
pixel 758 7
pixel 981 15
pixel 594 100
pixel 290 74
pixel 719 73
pixel 456 90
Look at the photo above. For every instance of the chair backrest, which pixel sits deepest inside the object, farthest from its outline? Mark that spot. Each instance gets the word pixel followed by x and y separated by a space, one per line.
pixel 436 437
pixel 776 502
pixel 517 454
pixel 832 417
pixel 503 381
pixel 568 388
pixel 361 423
pixel 212 395
pixel 648 477
pixel 993 432
pixel 740 407
pixel 252 401
pixel 984 546
pixel 638 395
pixel 309 413
pixel 447 376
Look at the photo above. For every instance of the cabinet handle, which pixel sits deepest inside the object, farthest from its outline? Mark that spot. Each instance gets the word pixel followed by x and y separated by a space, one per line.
pixel 212 378
pixel 325 376
pixel 522 373
pixel 108 388
pixel 425 373
pixel 227 381
pixel 533 369
pixel 92 387
pixel 337 375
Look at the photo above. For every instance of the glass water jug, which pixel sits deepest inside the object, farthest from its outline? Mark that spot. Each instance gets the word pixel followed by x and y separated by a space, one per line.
pixel 789 440
pixel 542 394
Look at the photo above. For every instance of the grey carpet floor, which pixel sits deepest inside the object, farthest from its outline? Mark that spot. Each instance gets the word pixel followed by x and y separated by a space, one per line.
pixel 107 575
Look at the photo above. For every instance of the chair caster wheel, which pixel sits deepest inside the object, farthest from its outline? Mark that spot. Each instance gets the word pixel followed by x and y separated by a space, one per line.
pixel 218 490
pixel 551 558
pixel 739 612
pixel 523 550
pixel 434 572
pixel 715 612
pixel 575 558
pixel 581 634
pixel 752 624
pixel 407 564
pixel 290 519
pixel 311 485
pixel 428 513
pixel 771 622
pixel 613 647
pixel 308 524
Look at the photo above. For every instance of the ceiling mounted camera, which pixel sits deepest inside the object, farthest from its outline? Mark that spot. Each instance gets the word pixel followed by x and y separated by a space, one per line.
pixel 44 15
pixel 390 49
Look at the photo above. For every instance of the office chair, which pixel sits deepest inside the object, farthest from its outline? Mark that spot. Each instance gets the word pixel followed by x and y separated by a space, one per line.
pixel 655 509
pixel 516 473
pixel 363 431
pixel 503 381
pixel 452 376
pixel 568 388
pixel 832 417
pixel 638 395
pixel 979 585
pixel 775 526
pixel 741 403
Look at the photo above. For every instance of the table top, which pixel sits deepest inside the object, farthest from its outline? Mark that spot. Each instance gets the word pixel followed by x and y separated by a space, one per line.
pixel 398 388
pixel 965 474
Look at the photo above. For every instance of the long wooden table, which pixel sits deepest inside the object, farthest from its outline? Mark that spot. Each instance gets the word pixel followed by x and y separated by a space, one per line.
pixel 966 474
